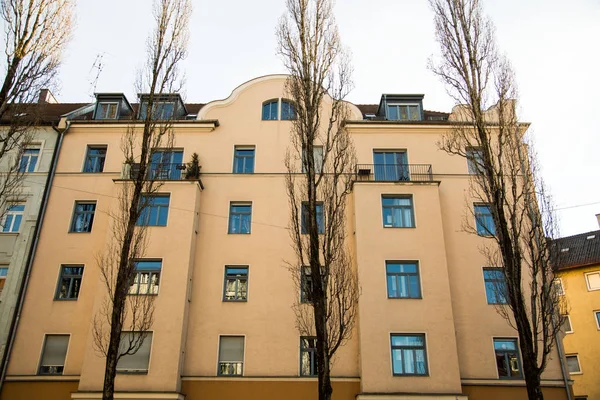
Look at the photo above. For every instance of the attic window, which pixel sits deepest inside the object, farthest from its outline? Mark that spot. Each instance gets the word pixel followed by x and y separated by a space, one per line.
pixel 404 112
pixel 370 115
pixel 107 111
pixel 162 110
pixel 591 237
pixel 564 250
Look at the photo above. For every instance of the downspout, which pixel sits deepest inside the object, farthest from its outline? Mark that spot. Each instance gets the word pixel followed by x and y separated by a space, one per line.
pixel 27 273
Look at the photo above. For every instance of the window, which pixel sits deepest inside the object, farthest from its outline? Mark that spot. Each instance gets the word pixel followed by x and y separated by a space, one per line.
pixel 402 280
pixel 243 160
pixel 318 159
pixel 508 361
pixel 83 216
pixel 573 364
pixel 69 283
pixel 593 280
pixel 269 110
pixel 12 220
pixel 304 219
pixel 495 285
pixel 240 218
pixel 155 210
pixel 308 356
pixel 408 354
pixel 231 355
pixel 147 277
pixel 107 111
pixel 54 354
pixel 484 221
pixel 236 284
pixel 3 275
pixel 567 327
pixel 288 110
pixel 474 160
pixel 398 212
pixel 403 112
pixel 306 285
pixel 94 159
pixel 558 286
pixel 166 165
pixel 29 159
pixel 597 315
pixel 136 362
pixel 161 110
pixel 391 166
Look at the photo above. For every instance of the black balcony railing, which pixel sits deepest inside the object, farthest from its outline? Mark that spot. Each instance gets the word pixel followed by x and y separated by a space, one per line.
pixel 163 171
pixel 394 172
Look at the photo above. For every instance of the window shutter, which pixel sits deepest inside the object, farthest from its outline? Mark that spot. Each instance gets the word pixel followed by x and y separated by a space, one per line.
pixel 55 350
pixel 138 361
pixel 231 349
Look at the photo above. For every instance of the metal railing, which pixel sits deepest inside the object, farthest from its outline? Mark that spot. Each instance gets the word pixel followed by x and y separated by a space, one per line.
pixel 394 172
pixel 163 171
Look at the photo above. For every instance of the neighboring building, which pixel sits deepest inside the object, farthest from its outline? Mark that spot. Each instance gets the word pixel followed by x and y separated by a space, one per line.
pixel 579 274
pixel 224 327
pixel 21 216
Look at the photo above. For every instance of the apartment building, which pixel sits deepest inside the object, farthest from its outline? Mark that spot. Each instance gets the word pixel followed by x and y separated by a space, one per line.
pixel 579 277
pixel 224 327
pixel 17 229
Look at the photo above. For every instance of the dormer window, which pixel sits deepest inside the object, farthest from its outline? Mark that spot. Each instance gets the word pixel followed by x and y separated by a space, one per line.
pixel 107 111
pixel 403 112
pixel 162 110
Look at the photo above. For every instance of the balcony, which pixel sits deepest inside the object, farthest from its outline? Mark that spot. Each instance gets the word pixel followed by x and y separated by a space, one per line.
pixel 394 172
pixel 159 172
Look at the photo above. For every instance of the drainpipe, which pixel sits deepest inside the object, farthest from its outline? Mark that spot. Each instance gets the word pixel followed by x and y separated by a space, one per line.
pixel 36 236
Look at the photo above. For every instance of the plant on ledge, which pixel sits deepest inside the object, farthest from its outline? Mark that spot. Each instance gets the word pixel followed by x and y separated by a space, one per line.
pixel 193 168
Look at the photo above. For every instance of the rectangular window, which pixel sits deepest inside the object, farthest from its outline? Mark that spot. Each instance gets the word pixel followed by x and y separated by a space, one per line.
pixel 288 110
pixel 135 361
pixel 231 355
pixel 107 111
pixel 391 166
pixel 29 159
pixel 403 112
pixel 495 286
pixel 304 218
pixel 558 286
pixel 398 212
pixel 3 275
pixel 597 315
pixel 13 218
pixel 269 110
pixel 94 159
pixel 484 221
pixel 567 327
pixel 240 218
pixel 236 284
pixel 83 216
pixel 508 361
pixel 54 354
pixel 243 160
pixel 306 286
pixel 593 280
pixel 69 283
pixel 408 354
pixel 573 364
pixel 161 110
pixel 318 159
pixel 166 165
pixel 308 356
pixel 474 160
pixel 147 277
pixel 155 210
pixel 403 280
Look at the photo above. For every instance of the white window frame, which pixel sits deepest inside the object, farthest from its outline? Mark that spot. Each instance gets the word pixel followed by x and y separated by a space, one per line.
pixel 567 316
pixel 4 277
pixel 13 213
pixel 587 282
pixel 578 363
pixel 32 146
pixel 98 109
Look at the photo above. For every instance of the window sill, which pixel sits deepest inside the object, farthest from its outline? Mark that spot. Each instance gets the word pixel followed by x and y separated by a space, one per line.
pixel 142 294
pixel 238 233
pixel 235 301
pixel 399 227
pixel 511 378
pixel 80 232
pixel 55 299
pixel 411 375
pixel 9 233
pixel 405 298
pixel 140 372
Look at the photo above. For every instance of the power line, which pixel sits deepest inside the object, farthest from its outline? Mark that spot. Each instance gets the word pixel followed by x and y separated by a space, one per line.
pixel 576 206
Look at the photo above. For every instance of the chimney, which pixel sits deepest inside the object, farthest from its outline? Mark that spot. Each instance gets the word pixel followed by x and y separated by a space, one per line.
pixel 598 218
pixel 46 97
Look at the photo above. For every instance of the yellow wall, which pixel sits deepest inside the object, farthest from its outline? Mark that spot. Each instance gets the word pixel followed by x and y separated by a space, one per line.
pixel 585 339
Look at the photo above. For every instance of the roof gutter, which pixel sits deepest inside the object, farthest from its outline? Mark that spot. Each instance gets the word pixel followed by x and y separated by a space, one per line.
pixel 27 273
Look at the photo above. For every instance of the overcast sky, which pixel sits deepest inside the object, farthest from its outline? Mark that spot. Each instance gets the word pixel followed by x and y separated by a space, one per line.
pixel 552 44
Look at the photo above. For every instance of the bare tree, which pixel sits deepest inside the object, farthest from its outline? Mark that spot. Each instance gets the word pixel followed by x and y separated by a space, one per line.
pixel 505 178
pixel 319 162
pixel 166 48
pixel 36 33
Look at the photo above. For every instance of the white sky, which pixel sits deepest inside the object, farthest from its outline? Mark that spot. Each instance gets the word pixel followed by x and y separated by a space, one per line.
pixel 552 44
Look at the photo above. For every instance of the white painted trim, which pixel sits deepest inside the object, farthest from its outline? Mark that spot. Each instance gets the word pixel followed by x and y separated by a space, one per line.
pixel 587 282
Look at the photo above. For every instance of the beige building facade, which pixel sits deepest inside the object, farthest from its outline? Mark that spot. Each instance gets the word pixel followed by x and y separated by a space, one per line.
pixel 216 258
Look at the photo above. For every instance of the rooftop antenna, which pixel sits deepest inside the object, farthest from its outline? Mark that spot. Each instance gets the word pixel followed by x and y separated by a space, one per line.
pixel 94 73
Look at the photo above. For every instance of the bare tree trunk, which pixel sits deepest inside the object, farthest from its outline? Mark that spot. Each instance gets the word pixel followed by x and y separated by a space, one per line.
pixel 504 179
pixel 318 182
pixel 166 48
